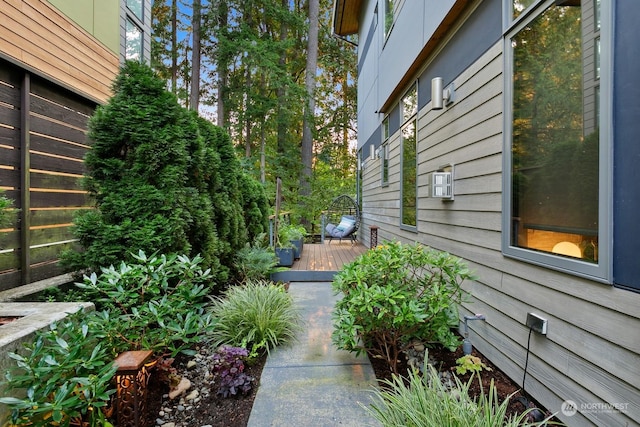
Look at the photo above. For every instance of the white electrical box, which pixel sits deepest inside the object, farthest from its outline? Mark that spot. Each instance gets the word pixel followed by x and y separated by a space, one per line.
pixel 441 185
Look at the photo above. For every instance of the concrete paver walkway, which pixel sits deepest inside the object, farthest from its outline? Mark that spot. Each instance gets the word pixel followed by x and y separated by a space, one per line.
pixel 310 383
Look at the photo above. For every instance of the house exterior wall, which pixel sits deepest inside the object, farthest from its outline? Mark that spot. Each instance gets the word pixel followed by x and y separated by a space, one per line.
pixel 36 35
pixel 58 60
pixel 98 17
pixel 591 354
pixel 390 58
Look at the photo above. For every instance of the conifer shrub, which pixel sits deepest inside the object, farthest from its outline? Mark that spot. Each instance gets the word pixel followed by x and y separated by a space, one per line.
pixel 163 181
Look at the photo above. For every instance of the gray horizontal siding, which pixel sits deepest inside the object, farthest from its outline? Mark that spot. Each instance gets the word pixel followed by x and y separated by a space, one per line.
pixel 592 351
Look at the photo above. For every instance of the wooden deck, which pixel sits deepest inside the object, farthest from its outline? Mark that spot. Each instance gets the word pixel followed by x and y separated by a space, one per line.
pixel 328 256
pixel 320 262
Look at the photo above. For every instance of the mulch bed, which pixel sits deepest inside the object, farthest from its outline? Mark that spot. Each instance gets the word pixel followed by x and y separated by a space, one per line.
pixel 217 411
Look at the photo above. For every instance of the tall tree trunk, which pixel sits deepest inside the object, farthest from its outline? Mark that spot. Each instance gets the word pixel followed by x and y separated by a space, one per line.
pixel 174 46
pixel 195 56
pixel 281 92
pixel 263 138
pixel 248 119
pixel 247 102
pixel 222 62
pixel 310 85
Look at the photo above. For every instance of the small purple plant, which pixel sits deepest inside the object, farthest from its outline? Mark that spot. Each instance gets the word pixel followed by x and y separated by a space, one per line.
pixel 228 371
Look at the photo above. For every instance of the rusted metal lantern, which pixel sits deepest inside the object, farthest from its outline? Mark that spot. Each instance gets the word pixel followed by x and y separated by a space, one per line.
pixel 131 380
pixel 373 240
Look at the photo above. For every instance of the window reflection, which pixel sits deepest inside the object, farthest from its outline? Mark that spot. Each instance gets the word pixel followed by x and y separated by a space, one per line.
pixel 519 6
pixel 409 174
pixel 135 6
pixel 133 42
pixel 554 136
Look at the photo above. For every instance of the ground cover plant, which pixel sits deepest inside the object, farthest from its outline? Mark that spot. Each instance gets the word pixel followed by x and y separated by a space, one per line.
pixel 157 303
pixel 255 261
pixel 229 372
pixel 257 315
pixel 397 293
pixel 66 375
pixel 425 400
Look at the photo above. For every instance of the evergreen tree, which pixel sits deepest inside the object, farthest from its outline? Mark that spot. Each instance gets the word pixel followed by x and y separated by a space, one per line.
pixel 164 180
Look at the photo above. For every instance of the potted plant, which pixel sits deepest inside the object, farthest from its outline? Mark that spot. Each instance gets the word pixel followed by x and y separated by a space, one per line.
pixel 285 250
pixel 295 234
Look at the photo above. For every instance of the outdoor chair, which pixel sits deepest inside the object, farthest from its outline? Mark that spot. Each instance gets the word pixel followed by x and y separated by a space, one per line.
pixel 343 219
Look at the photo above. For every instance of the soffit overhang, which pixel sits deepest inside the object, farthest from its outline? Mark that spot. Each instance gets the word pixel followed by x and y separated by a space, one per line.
pixel 345 16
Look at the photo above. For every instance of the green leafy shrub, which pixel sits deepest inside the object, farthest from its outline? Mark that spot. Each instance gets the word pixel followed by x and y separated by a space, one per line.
pixel 5 204
pixel 469 363
pixel 66 375
pixel 255 262
pixel 255 206
pixel 241 206
pixel 258 316
pixel 138 174
pixel 426 401
pixel 228 371
pixel 293 232
pixel 395 293
pixel 157 303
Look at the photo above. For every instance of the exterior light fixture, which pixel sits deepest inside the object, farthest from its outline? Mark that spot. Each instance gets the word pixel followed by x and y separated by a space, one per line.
pixel 441 96
pixel 442 183
pixel 131 380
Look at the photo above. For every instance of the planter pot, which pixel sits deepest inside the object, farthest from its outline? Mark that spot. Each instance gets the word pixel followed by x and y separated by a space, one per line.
pixel 297 247
pixel 285 256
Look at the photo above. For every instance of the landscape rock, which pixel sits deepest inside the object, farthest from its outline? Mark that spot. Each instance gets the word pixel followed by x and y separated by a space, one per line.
pixel 183 386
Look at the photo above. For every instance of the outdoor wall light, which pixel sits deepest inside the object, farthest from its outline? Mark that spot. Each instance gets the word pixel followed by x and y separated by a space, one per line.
pixel 442 183
pixel 441 96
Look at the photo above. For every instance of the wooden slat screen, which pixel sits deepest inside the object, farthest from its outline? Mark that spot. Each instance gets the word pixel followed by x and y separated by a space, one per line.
pixel 57 144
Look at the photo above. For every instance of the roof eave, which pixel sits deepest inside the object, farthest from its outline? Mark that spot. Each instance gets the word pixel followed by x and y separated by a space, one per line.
pixel 345 16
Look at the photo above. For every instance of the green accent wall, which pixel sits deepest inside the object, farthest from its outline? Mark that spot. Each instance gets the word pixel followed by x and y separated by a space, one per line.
pixel 101 18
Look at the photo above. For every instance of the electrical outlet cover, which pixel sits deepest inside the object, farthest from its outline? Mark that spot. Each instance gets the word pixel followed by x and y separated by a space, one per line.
pixel 537 323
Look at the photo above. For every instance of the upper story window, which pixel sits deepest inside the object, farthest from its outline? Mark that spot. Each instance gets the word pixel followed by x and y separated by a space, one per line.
pixel 134 33
pixel 553 181
pixel 388 17
pixel 135 6
pixel 133 41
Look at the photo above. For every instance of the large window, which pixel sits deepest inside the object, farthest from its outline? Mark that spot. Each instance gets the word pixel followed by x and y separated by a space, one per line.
pixel 554 185
pixel 409 158
pixel 384 152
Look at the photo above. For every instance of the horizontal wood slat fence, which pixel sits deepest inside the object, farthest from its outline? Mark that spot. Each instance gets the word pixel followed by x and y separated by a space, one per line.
pixel 43 140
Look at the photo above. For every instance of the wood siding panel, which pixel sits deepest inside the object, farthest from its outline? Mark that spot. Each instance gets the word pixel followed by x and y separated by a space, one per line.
pixel 36 34
pixel 591 353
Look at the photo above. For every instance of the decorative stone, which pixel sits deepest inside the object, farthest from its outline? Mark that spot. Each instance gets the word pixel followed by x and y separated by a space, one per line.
pixel 182 387
pixel 192 364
